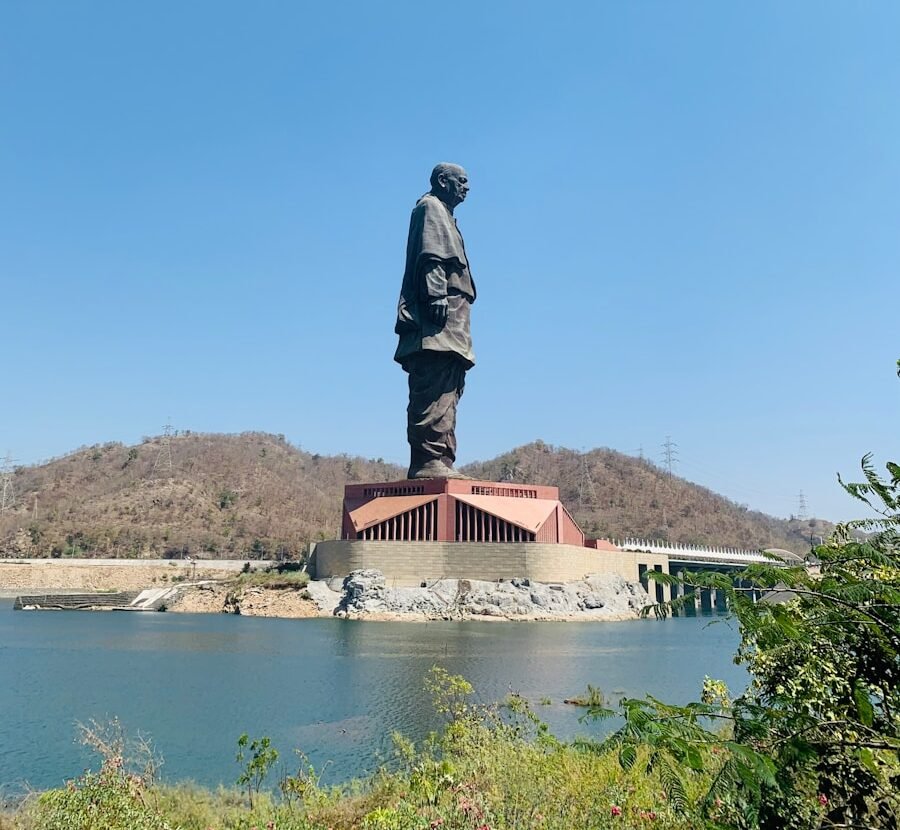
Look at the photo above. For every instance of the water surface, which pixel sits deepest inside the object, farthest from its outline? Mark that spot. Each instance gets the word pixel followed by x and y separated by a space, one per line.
pixel 334 688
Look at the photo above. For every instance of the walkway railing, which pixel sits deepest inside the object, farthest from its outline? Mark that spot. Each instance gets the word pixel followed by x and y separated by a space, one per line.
pixel 677 550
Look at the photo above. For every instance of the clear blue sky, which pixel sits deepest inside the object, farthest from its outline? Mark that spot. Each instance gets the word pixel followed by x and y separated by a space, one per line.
pixel 683 221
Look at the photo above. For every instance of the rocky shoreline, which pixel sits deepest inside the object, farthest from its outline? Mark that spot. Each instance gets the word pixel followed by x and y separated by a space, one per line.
pixel 223 598
pixel 365 595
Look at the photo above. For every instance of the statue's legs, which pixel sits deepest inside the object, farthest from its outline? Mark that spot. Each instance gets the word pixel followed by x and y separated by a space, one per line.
pixel 436 383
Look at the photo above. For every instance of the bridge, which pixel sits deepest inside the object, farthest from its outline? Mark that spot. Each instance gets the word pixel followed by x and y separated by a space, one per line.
pixel 684 557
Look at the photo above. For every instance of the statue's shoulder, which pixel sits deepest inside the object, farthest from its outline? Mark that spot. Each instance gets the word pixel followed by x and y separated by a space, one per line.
pixel 427 204
pixel 426 211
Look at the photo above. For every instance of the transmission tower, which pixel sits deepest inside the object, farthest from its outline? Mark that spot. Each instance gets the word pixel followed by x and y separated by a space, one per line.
pixel 163 461
pixel 801 507
pixel 587 495
pixel 669 454
pixel 7 490
pixel 640 452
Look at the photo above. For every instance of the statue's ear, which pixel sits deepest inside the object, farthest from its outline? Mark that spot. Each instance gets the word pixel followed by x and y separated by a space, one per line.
pixel 442 180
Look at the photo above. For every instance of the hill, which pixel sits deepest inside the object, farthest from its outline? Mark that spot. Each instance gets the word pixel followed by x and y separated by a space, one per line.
pixel 256 495
pixel 616 495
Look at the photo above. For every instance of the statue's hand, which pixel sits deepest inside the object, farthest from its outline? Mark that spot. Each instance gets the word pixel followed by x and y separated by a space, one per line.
pixel 438 310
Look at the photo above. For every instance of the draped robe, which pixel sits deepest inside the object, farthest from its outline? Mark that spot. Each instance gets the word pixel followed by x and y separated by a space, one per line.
pixel 435 357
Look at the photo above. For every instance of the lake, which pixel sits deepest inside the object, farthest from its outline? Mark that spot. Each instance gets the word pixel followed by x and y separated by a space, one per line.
pixel 335 689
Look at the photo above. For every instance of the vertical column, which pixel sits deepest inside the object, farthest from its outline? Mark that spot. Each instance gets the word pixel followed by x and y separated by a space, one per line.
pixel 721 602
pixel 753 595
pixel 676 591
pixel 705 601
pixel 347 529
pixel 446 518
pixel 690 607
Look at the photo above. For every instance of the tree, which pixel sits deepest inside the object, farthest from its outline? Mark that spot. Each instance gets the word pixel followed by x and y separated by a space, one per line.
pixel 814 742
pixel 262 757
pixel 825 697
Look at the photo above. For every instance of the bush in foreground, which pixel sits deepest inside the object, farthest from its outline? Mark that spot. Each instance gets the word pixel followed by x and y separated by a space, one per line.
pixel 490 768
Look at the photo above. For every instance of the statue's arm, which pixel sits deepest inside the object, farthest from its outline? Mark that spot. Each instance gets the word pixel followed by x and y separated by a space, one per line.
pixel 434 283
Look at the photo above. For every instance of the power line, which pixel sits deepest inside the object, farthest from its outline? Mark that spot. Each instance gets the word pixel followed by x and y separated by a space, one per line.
pixel 669 454
pixel 725 480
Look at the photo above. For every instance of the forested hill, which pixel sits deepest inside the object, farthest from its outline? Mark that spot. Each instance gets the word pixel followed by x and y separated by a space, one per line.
pixel 257 495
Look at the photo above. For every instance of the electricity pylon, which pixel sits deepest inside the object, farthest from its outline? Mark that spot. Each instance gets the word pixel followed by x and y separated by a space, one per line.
pixel 164 456
pixel 7 488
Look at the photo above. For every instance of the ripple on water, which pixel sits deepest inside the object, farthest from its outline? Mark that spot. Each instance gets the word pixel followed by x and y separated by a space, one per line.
pixel 334 689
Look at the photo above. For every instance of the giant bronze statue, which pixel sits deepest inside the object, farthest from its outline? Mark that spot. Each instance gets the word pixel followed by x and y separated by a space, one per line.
pixel 435 346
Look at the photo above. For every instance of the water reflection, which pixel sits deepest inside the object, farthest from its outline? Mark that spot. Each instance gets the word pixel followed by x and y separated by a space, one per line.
pixel 335 689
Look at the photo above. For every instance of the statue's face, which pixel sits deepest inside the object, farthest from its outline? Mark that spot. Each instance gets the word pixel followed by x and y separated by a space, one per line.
pixel 456 185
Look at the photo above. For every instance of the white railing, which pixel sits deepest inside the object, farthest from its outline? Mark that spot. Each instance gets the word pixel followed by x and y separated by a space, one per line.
pixel 678 550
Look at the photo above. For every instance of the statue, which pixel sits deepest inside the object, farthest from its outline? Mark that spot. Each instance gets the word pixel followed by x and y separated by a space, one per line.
pixel 435 347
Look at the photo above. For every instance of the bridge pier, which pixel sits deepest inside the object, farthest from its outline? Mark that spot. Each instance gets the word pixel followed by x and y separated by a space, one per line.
pixel 721 602
pixel 660 588
pixel 675 591
pixel 690 607
pixel 744 584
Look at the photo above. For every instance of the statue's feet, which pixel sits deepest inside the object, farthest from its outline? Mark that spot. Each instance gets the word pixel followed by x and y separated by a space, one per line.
pixel 434 468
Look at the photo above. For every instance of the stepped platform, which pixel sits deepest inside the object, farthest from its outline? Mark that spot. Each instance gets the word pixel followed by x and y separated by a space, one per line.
pixel 149 600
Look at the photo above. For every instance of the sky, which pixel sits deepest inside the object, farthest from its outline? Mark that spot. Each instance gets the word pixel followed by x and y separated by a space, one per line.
pixel 683 221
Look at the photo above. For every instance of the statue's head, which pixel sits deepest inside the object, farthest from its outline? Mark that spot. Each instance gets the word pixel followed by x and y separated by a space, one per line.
pixel 450 183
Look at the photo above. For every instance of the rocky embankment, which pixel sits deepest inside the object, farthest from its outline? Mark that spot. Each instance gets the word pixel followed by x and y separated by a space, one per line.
pixel 253 601
pixel 210 588
pixel 365 595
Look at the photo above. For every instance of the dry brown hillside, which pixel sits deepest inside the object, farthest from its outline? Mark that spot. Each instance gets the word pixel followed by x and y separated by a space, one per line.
pixel 224 496
pixel 255 495
pixel 617 495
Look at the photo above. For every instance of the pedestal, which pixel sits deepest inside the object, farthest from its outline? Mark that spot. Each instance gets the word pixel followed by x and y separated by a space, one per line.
pixel 457 510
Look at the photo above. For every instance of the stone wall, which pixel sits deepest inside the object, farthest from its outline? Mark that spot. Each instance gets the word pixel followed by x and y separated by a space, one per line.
pixel 411 563
pixel 19 576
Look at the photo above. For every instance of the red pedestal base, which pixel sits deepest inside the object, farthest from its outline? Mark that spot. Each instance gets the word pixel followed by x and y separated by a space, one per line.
pixel 457 510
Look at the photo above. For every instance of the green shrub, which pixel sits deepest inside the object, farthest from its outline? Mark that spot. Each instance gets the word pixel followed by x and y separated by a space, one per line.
pixel 272 578
pixel 262 756
pixel 111 799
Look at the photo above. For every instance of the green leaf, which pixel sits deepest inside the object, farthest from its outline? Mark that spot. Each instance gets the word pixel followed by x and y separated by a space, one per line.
pixel 673 785
pixel 599 713
pixel 894 470
pixel 758 767
pixel 867 759
pixel 693 758
pixel 863 704
pixel 627 756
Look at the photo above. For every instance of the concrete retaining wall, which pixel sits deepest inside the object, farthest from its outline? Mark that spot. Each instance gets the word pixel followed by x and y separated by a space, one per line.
pixel 411 563
pixel 21 576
